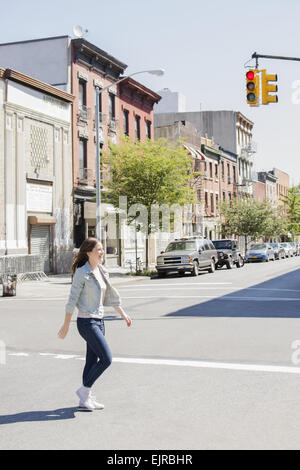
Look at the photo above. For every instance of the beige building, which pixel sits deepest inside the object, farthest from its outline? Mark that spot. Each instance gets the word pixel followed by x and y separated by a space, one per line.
pixel 36 214
pixel 282 184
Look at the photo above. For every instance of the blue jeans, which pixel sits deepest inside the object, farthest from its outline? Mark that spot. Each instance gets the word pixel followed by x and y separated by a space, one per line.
pixel 98 354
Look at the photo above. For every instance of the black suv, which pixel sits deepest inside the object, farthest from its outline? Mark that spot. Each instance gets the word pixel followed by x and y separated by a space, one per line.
pixel 187 255
pixel 228 253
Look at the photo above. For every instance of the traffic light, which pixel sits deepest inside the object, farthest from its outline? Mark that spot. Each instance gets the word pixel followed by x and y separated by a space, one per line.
pixel 252 85
pixel 267 88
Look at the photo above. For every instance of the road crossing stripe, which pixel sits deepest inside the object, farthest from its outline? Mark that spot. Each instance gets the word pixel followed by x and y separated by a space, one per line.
pixel 210 365
pixel 182 363
pixel 221 298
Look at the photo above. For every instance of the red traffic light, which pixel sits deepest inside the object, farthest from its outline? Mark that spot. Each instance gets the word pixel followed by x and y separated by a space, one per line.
pixel 250 75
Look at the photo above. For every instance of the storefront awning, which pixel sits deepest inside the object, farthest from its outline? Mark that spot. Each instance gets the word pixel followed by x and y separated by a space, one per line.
pixel 41 220
pixel 195 152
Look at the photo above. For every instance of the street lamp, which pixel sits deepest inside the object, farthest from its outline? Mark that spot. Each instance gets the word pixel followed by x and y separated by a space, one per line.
pixel 158 72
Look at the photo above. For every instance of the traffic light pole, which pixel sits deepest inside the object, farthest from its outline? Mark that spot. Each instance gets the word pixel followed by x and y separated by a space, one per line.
pixel 276 57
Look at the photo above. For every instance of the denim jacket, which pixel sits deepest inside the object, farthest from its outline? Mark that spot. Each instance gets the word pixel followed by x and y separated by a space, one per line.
pixel 85 292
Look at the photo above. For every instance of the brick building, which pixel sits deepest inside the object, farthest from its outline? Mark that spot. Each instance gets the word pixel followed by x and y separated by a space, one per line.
pixel 78 67
pixel 218 176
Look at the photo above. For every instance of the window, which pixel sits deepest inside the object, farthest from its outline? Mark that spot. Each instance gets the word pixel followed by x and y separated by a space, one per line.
pixel 206 200
pixel 111 104
pixel 223 171
pixel 206 245
pixel 82 93
pixel 210 170
pixel 148 129
pixel 234 174
pixel 216 170
pixel 126 121
pixel 198 194
pixel 138 127
pixel 224 196
pixel 212 204
pixel 217 201
pixel 228 173
pixel 100 102
pixel 82 155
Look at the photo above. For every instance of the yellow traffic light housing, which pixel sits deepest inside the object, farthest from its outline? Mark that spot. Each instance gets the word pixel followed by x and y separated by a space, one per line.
pixel 267 88
pixel 252 87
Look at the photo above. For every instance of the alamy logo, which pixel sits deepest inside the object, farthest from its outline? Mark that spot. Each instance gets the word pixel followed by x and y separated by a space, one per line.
pixel 296 354
pixel 2 353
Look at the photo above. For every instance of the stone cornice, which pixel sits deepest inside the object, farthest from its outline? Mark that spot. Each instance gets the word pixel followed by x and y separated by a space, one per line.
pixel 141 89
pixel 37 85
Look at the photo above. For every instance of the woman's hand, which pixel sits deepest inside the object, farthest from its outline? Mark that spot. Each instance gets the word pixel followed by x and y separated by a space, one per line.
pixel 63 331
pixel 123 315
pixel 128 320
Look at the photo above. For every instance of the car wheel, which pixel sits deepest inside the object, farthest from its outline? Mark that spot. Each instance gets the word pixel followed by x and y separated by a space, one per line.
pixel 240 262
pixel 162 274
pixel 212 267
pixel 195 271
pixel 181 273
pixel 230 264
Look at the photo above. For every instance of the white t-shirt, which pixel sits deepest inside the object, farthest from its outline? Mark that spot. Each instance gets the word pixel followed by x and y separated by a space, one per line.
pixel 101 281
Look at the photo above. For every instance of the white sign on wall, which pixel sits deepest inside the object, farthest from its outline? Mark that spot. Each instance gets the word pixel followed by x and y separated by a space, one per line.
pixel 39 198
pixel 38 101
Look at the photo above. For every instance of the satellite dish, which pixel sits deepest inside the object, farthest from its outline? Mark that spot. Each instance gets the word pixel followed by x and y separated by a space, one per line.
pixel 79 31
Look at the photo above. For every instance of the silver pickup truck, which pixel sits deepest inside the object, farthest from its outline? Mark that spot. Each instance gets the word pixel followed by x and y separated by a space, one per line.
pixel 187 255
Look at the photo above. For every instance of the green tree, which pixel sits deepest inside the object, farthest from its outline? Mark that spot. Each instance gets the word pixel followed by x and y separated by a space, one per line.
pixel 246 217
pixel 292 205
pixel 149 173
pixel 276 225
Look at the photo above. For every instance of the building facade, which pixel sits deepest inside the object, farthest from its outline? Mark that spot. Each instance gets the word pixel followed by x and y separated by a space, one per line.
pixel 270 181
pixel 171 102
pixel 216 183
pixel 231 130
pixel 282 184
pixel 36 170
pixel 76 66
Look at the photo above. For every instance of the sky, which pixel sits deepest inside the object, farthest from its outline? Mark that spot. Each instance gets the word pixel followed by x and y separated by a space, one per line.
pixel 201 45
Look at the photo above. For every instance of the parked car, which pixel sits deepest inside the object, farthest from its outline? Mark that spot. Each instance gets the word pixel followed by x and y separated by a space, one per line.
pixel 278 250
pixel 260 252
pixel 228 253
pixel 187 255
pixel 287 249
pixel 294 247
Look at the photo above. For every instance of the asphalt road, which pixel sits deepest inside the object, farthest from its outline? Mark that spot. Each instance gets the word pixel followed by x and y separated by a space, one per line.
pixel 210 362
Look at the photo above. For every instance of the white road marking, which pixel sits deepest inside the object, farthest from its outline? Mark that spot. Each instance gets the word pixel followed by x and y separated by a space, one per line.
pixel 222 298
pixel 38 299
pixel 18 354
pixel 181 363
pixel 239 288
pixel 210 365
pixel 178 285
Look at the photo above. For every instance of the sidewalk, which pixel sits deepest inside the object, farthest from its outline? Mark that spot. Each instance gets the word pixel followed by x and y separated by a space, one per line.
pixel 58 285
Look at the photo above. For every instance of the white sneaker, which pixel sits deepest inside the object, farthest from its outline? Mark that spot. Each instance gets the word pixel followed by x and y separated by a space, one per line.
pixel 97 406
pixel 84 395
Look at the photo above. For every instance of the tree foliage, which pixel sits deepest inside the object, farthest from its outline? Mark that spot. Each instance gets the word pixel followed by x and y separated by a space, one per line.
pixel 251 218
pixel 149 173
pixel 291 203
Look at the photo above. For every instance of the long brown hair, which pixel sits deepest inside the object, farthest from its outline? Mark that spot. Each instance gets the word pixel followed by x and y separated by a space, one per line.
pixel 81 257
